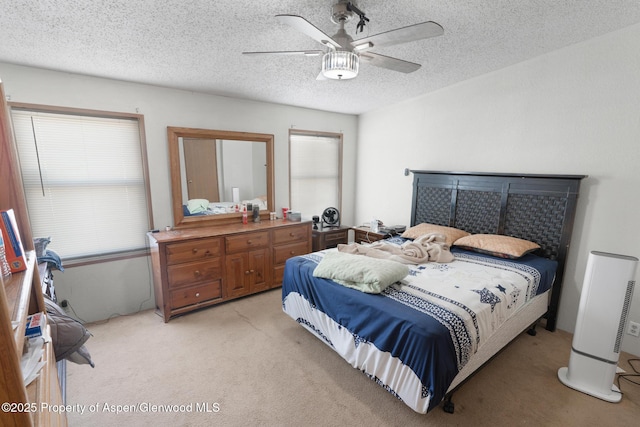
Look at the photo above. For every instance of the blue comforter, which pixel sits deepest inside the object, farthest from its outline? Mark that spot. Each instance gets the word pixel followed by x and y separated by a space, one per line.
pixel 435 346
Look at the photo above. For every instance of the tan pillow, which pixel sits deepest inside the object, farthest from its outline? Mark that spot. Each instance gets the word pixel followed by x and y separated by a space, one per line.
pixel 497 245
pixel 451 234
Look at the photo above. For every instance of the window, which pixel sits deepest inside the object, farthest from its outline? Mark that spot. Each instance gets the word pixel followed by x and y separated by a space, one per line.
pixel 315 171
pixel 84 176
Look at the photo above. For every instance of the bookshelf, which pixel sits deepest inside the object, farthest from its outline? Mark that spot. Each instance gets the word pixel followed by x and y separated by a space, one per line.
pixel 21 295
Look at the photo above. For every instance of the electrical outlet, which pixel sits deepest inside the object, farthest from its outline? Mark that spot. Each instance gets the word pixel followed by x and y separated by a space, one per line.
pixel 634 329
pixel 65 305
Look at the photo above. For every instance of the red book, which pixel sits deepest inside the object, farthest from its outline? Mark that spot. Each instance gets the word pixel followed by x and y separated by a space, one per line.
pixel 13 248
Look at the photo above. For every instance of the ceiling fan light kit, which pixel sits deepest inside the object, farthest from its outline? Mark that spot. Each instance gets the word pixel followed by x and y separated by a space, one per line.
pixel 340 65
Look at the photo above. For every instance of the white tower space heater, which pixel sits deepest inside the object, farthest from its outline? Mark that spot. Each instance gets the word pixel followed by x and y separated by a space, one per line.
pixel 606 296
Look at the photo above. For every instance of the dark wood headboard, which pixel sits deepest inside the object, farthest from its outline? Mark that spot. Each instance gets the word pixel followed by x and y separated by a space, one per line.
pixel 539 208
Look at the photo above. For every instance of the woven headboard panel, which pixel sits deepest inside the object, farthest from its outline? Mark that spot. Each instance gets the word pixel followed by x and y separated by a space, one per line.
pixel 539 208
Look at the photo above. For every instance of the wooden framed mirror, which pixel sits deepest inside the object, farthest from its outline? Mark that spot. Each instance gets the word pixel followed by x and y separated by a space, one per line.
pixel 224 168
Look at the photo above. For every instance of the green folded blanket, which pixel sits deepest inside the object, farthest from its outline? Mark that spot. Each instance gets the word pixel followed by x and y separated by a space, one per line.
pixel 370 275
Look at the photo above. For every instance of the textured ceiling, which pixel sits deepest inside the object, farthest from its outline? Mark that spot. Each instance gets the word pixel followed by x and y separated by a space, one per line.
pixel 196 44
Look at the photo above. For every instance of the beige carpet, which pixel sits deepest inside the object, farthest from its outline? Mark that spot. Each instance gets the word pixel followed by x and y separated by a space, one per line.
pixel 246 363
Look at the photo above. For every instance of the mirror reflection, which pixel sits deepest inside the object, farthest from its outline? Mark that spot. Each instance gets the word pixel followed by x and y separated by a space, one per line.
pixel 225 173
pixel 214 172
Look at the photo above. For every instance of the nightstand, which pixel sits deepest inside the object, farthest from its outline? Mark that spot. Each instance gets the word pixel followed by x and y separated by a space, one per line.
pixel 329 237
pixel 364 235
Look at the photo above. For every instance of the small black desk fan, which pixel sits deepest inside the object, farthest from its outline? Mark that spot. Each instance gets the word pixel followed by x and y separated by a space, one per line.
pixel 331 217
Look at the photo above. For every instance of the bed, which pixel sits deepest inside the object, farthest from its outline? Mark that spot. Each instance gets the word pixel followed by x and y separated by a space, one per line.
pixel 422 336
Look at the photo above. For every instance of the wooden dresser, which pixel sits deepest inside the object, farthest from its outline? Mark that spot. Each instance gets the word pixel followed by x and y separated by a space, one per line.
pixel 198 267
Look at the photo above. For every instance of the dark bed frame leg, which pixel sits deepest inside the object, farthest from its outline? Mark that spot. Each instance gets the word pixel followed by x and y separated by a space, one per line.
pixel 532 330
pixel 447 405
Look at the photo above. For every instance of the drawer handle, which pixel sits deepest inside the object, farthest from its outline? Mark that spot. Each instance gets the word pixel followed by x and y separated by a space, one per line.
pixel 207 253
pixel 251 271
pixel 196 273
pixel 195 250
pixel 249 242
pixel 292 252
pixel 247 272
pixel 197 294
pixel 292 235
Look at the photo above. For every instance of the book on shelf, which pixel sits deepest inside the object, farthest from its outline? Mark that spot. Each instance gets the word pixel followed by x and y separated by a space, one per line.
pixel 34 326
pixel 32 360
pixel 14 251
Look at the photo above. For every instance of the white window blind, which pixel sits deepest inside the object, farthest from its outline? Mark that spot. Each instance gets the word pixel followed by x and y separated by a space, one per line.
pixel 315 164
pixel 84 181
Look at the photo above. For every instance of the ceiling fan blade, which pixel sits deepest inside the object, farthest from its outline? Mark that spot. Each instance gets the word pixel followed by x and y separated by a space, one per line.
pixel 411 33
pixel 288 52
pixel 389 62
pixel 306 27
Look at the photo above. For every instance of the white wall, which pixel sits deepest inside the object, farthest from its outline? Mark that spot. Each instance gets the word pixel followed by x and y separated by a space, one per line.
pixel 102 290
pixel 574 111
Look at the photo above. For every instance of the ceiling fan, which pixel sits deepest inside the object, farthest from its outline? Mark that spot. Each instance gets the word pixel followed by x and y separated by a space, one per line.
pixel 341 59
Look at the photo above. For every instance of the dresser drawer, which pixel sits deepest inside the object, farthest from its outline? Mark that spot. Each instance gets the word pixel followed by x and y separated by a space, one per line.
pixel 291 234
pixel 193 250
pixel 196 294
pixel 284 252
pixel 333 239
pixel 246 241
pixel 190 273
pixel 366 236
pixel 278 274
